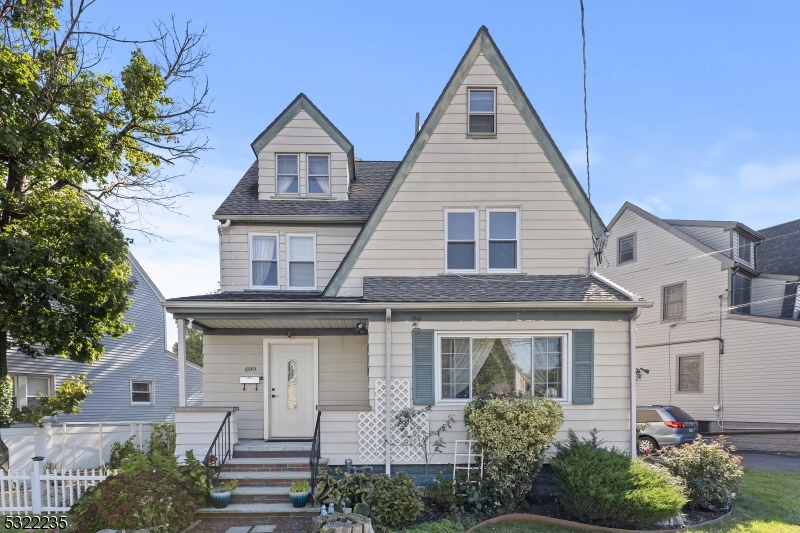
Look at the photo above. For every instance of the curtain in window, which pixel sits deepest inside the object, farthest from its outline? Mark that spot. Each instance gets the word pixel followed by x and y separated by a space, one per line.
pixel 264 248
pixel 481 101
pixel 287 174
pixel 287 164
pixel 318 165
pixel 520 351
pixel 547 367
pixel 500 366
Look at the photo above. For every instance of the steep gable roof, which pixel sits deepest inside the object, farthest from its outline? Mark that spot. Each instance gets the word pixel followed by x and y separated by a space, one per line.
pixel 482 43
pixel 779 253
pixel 724 224
pixel 302 103
pixel 627 206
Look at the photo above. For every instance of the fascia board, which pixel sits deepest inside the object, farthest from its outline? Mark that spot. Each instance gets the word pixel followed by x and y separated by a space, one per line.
pixel 482 43
pixel 294 219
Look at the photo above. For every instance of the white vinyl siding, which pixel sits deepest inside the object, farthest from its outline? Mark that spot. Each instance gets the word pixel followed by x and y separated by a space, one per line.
pixel 301 262
pixel 461 228
pixel 264 266
pixel 503 240
pixel 454 172
pixel 304 137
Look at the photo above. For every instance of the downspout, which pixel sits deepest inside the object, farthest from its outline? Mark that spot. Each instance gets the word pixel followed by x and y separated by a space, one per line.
pixel 219 230
pixel 633 380
pixel 388 392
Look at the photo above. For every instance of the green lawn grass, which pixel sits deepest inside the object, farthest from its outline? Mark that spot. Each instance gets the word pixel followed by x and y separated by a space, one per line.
pixel 770 503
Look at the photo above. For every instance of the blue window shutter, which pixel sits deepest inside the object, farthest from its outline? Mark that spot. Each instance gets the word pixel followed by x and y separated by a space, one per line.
pixel 422 353
pixel 582 366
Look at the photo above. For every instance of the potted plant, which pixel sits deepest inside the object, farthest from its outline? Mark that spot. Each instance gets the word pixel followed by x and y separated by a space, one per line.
pixel 299 492
pixel 221 495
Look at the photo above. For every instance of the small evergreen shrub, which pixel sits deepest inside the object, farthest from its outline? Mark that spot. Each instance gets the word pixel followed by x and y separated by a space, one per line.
pixel 711 471
pixel 121 451
pixel 395 501
pixel 514 433
pixel 606 487
pixel 465 496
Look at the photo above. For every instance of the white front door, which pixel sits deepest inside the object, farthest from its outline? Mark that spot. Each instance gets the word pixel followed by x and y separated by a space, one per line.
pixel 291 391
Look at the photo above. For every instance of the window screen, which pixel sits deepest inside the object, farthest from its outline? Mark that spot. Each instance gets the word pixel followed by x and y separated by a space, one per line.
pixel 689 375
pixel 674 305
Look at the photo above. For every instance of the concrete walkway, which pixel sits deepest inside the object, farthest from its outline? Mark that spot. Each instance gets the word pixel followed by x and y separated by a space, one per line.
pixel 771 461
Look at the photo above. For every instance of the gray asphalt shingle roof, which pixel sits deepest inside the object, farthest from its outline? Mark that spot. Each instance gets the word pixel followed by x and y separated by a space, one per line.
pixel 371 180
pixel 489 288
pixel 780 251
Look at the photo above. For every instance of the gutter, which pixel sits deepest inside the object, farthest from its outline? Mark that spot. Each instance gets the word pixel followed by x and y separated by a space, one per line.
pixel 631 295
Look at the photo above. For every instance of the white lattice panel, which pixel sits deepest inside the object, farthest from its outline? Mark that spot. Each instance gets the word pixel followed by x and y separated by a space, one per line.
pixel 372 426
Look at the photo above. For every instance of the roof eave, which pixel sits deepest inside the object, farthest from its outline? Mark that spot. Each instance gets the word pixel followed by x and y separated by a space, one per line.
pixel 330 219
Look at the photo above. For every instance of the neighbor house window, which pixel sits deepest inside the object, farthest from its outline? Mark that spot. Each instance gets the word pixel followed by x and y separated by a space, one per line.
pixel 264 261
pixel 319 176
pixel 288 174
pixel 741 289
pixel 745 249
pixel 627 249
pixel 690 376
pixel 474 367
pixel 142 392
pixel 301 262
pixel 37 385
pixel 482 112
pixel 674 298
pixel 461 250
pixel 503 240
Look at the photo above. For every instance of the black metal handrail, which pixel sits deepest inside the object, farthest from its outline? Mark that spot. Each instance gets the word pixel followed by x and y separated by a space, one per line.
pixel 220 449
pixel 313 461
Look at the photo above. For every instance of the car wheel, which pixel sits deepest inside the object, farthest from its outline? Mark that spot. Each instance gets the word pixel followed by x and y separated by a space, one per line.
pixel 647 445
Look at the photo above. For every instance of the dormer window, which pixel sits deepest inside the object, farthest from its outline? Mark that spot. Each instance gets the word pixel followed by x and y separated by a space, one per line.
pixel 481 112
pixel 288 175
pixel 319 176
pixel 745 249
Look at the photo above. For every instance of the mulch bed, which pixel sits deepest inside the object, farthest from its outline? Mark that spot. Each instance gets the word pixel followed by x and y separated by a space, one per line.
pixel 550 506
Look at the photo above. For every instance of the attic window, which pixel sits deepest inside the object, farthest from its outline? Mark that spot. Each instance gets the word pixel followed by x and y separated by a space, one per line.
pixel 482 107
pixel 745 249
pixel 319 178
pixel 288 178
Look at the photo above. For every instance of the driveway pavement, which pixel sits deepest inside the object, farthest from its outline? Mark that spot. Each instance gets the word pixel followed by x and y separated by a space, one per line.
pixel 771 461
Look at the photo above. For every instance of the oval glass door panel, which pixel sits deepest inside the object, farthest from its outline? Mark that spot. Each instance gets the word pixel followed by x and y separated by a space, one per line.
pixel 291 385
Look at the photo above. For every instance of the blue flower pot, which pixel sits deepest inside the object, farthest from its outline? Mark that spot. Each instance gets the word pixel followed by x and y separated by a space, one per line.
pixel 220 500
pixel 299 499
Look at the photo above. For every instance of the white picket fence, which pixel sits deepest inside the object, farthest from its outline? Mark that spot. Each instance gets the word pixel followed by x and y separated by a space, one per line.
pixel 49 492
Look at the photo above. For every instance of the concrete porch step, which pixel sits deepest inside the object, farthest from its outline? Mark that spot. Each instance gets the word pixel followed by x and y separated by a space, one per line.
pixel 257 448
pixel 287 464
pixel 263 479
pixel 276 494
pixel 255 510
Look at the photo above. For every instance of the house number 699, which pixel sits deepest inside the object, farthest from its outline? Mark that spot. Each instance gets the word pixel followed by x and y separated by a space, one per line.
pixel 249 369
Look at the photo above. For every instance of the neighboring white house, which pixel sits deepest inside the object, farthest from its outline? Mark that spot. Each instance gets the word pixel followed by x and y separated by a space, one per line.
pixel 722 340
pixel 137 377
pixel 459 270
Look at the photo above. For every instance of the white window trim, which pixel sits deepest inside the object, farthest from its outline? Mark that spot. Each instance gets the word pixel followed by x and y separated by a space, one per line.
pixel 308 176
pixel 296 155
pixel 567 373
pixel 619 249
pixel 152 392
pixel 288 254
pixel 476 240
pixel 250 260
pixel 664 288
pixel 519 247
pixel 494 113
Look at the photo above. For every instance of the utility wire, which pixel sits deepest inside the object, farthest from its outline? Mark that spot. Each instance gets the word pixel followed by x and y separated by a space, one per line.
pixel 586 126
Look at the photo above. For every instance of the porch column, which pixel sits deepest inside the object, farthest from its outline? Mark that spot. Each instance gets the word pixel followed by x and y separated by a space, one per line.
pixel 181 362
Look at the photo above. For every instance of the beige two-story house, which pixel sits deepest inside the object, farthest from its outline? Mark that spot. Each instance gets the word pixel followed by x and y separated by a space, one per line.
pixel 460 270
pixel 723 338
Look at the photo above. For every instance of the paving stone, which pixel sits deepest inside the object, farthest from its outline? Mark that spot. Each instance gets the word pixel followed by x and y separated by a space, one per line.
pixel 263 529
pixel 238 529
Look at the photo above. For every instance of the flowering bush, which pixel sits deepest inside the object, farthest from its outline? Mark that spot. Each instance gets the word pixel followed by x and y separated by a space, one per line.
pixel 711 471
pixel 514 433
pixel 606 487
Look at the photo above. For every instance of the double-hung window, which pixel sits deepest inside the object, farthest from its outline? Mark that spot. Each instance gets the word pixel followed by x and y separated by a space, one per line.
pixel 627 249
pixel 482 112
pixel 690 373
pixel 36 385
pixel 142 392
pixel 503 242
pixel 264 261
pixel 745 249
pixel 475 366
pixel 741 289
pixel 301 262
pixel 319 177
pixel 674 302
pixel 288 174
pixel 461 250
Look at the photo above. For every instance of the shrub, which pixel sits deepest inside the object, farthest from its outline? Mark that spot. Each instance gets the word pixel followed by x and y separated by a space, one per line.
pixel 121 451
pixel 462 496
pixel 6 399
pixel 514 433
pixel 162 439
pixel 395 501
pixel 711 471
pixel 606 487
pixel 442 526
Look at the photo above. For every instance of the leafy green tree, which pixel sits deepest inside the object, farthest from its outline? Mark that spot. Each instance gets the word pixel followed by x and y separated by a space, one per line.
pixel 194 346
pixel 66 399
pixel 82 152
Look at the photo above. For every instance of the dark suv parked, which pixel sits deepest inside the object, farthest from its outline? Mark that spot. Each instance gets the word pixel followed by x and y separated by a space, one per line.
pixel 667 425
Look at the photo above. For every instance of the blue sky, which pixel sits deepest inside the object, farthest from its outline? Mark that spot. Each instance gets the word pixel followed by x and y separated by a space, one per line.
pixel 693 108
